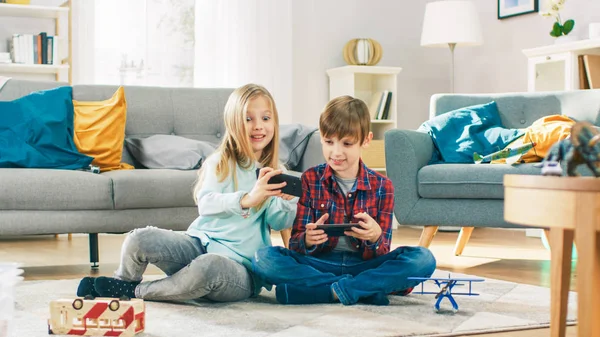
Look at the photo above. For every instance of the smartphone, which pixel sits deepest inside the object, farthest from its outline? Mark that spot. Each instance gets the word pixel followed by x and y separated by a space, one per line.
pixel 294 184
pixel 337 229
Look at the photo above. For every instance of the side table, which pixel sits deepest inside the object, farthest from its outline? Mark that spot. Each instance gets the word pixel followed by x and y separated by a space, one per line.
pixel 570 208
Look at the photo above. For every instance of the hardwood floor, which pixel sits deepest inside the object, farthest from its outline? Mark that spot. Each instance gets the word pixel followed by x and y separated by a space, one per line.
pixel 494 253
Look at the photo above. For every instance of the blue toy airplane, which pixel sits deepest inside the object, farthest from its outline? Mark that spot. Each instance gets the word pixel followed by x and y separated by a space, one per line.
pixel 445 285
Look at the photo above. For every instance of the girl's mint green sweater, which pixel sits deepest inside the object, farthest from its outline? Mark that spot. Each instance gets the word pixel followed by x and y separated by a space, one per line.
pixel 220 224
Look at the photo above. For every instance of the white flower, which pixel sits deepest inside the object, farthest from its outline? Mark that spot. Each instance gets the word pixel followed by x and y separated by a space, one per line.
pixel 555 5
pixel 549 14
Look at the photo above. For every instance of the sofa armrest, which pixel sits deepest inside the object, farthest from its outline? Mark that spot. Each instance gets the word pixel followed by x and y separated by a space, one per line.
pixel 406 152
pixel 313 154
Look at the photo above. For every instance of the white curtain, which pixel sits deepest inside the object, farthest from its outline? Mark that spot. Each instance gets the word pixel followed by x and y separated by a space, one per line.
pixel 243 41
pixel 82 42
pixel 133 42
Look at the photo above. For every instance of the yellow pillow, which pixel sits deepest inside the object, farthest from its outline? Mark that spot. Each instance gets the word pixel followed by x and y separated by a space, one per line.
pixel 100 130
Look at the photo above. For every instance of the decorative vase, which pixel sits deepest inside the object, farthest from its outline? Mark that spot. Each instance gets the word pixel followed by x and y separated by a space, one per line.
pixel 564 39
pixel 364 52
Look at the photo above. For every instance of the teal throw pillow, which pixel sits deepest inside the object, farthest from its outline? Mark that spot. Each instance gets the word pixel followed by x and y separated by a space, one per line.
pixel 459 133
pixel 36 131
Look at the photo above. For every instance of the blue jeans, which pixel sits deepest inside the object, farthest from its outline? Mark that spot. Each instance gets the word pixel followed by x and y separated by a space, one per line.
pixel 349 276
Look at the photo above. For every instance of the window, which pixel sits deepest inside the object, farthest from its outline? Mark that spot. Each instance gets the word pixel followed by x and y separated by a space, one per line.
pixel 139 42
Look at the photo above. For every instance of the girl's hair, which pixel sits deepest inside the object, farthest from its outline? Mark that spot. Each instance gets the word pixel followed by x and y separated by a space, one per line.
pixel 345 116
pixel 235 147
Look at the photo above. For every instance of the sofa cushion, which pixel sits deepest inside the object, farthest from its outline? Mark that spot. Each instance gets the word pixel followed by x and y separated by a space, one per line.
pixel 41 189
pixel 169 151
pixel 100 130
pixel 36 131
pixel 468 181
pixel 152 188
pixel 293 139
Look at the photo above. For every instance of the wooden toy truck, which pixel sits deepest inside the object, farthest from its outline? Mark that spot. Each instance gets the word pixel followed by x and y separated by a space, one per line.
pixel 97 316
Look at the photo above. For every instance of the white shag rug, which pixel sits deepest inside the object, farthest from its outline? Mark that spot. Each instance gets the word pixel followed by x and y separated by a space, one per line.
pixel 501 306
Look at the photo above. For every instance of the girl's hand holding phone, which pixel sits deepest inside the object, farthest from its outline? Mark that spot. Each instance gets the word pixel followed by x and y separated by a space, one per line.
pixel 262 189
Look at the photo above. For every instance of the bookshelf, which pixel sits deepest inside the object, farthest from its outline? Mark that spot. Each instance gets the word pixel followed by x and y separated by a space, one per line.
pixel 60 15
pixel 556 67
pixel 365 82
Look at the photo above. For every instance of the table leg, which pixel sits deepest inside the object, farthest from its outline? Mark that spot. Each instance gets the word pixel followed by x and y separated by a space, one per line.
pixel 588 266
pixel 561 247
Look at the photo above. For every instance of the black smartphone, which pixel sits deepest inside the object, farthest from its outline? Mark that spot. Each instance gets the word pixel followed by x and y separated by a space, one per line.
pixel 337 229
pixel 294 184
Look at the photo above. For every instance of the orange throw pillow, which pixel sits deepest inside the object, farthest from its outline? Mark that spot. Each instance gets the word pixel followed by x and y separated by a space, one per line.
pixel 100 130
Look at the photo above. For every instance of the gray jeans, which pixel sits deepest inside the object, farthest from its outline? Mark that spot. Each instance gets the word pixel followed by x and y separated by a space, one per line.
pixel 191 272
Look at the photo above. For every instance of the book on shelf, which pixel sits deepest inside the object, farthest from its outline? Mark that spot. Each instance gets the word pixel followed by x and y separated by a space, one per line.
pixel 388 103
pixel 384 108
pixel 583 81
pixel 33 49
pixel 381 106
pixel 374 104
pixel 592 70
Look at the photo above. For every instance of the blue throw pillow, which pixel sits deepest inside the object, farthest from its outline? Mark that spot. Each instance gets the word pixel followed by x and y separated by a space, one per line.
pixel 36 131
pixel 459 133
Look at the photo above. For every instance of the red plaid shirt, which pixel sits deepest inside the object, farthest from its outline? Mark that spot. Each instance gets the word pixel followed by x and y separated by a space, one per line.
pixel 372 193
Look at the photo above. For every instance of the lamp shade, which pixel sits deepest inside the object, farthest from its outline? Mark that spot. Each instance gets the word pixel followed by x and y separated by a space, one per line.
pixel 454 21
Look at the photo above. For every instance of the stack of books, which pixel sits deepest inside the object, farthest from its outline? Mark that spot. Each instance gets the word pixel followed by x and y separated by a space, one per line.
pixel 379 106
pixel 589 71
pixel 33 49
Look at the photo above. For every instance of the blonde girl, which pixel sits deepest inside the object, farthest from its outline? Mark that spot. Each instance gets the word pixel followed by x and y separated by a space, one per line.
pixel 236 211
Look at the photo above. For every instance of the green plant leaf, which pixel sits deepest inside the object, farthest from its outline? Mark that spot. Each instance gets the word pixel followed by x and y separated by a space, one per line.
pixel 556 30
pixel 568 26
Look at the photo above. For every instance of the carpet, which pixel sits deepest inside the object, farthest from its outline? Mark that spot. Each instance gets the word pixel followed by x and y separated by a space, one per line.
pixel 502 306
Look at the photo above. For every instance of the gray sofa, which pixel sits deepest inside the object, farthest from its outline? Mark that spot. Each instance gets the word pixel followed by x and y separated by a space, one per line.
pixel 46 201
pixel 469 195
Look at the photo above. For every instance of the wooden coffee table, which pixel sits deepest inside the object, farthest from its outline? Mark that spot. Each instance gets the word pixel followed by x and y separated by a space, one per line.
pixel 570 208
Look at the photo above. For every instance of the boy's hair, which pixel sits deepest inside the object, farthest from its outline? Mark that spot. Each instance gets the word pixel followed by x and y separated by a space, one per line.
pixel 345 116
pixel 235 147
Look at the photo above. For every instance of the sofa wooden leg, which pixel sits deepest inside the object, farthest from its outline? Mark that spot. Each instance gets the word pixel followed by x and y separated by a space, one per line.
pixel 286 234
pixel 427 236
pixel 463 238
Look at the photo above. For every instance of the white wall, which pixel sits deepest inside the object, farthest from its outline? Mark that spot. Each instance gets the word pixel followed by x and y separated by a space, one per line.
pixel 320 28
pixel 508 69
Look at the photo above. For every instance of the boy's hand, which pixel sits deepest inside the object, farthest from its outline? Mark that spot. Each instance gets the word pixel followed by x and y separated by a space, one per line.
pixel 262 189
pixel 313 236
pixel 370 231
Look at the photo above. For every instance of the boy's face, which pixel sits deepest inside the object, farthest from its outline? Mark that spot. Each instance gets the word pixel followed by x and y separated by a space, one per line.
pixel 343 154
pixel 259 124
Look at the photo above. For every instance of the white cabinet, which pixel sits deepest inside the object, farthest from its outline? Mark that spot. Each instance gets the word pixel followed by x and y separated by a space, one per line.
pixel 556 67
pixel 59 70
pixel 363 82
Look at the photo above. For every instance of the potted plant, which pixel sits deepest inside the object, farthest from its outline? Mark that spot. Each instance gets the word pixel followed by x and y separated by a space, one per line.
pixel 560 30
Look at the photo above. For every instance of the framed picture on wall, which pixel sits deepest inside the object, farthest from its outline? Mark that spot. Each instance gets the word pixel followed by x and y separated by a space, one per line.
pixel 508 8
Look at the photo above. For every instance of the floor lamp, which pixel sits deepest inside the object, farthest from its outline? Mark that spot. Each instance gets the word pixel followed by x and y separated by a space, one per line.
pixel 451 23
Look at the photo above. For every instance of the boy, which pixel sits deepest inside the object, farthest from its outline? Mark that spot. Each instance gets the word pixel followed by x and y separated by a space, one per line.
pixel 359 265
